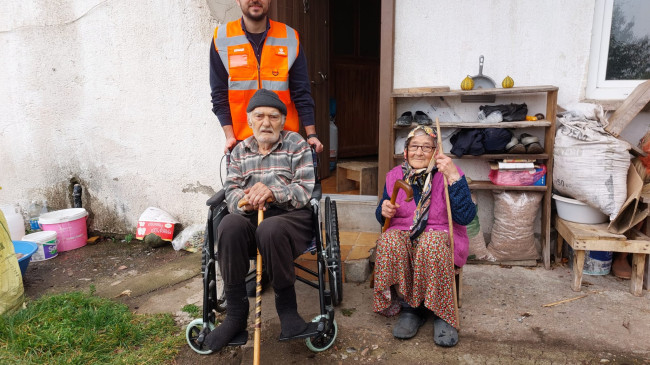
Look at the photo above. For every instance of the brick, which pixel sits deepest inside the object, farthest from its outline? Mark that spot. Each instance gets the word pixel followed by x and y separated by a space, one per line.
pixel 356 271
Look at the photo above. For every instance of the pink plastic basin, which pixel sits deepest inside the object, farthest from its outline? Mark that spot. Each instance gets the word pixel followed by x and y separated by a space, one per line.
pixel 70 227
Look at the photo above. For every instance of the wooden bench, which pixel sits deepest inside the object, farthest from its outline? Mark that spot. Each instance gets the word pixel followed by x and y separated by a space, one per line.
pixel 596 237
pixel 363 172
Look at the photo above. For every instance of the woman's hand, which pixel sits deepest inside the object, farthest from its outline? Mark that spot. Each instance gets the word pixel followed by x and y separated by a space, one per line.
pixel 447 167
pixel 388 210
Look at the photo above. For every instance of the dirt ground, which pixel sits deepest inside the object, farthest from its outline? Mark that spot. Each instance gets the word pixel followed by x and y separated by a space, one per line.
pixel 502 319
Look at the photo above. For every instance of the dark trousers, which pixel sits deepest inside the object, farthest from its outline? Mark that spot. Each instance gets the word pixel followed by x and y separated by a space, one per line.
pixel 281 238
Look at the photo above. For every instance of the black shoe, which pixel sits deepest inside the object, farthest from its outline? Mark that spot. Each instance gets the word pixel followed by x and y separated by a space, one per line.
pixel 236 319
pixel 422 119
pixel 408 323
pixel 404 120
pixel 291 323
pixel 251 285
pixel 444 334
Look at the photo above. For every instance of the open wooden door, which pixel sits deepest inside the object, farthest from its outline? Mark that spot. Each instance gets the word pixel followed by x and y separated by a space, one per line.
pixel 311 19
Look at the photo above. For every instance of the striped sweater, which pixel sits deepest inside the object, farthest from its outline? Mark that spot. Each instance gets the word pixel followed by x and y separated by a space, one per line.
pixel 288 171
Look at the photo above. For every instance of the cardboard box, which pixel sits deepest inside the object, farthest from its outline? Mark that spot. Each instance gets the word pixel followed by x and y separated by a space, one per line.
pixel 156 221
pixel 634 210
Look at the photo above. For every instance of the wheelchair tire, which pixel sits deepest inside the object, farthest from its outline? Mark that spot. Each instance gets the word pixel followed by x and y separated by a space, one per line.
pixel 220 303
pixel 325 340
pixel 333 249
pixel 191 334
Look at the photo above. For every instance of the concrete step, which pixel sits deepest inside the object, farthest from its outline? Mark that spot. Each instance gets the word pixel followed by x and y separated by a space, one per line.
pixel 356 213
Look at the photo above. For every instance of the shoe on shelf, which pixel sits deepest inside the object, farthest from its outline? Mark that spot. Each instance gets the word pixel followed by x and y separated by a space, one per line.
pixel 408 323
pixel 515 147
pixel 422 118
pixel 531 143
pixel 404 120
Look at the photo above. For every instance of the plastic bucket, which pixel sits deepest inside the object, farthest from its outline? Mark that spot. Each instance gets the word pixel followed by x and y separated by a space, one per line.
pixel 46 242
pixel 596 262
pixel 27 249
pixel 70 227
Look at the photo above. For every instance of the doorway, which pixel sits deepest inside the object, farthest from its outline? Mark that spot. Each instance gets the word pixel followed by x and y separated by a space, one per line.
pixel 341 39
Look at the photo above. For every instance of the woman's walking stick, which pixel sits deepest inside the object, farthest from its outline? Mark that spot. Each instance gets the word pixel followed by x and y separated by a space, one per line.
pixel 258 292
pixel 399 184
pixel 451 228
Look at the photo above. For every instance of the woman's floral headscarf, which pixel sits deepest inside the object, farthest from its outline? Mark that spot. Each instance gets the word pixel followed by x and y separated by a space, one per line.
pixel 422 178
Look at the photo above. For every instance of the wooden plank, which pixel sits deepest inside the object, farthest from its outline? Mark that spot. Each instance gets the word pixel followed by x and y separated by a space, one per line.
pixel 578 265
pixel 421 90
pixel 636 280
pixel 519 124
pixel 495 91
pixel 357 165
pixel 578 231
pixel 630 108
pixel 528 263
pixel 488 185
pixel 632 246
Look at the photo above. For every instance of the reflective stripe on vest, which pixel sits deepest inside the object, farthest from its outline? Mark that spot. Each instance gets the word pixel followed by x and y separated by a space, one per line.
pixel 245 75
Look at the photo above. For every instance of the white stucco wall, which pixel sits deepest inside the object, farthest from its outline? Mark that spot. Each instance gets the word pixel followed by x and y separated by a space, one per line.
pixel 439 42
pixel 114 94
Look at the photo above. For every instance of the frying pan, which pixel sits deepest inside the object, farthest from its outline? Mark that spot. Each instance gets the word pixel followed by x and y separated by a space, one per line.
pixel 480 82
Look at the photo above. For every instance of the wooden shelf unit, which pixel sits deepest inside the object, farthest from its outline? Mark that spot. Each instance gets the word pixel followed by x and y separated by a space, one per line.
pixel 550 92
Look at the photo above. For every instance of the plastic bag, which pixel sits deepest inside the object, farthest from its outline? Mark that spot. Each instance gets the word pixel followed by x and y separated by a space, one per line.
pixel 190 239
pixel 477 246
pixel 11 280
pixel 518 177
pixel 513 235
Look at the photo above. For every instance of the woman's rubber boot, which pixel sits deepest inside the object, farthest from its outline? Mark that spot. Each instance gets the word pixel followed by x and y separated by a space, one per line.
pixel 444 334
pixel 236 318
pixel 408 323
pixel 290 321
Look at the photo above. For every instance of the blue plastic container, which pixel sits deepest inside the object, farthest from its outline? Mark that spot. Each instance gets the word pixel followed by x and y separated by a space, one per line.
pixel 27 249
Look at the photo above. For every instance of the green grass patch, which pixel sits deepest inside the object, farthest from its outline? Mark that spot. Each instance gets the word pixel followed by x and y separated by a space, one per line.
pixel 192 310
pixel 80 328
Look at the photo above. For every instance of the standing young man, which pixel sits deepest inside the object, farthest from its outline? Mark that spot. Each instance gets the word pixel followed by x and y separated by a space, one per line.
pixel 254 53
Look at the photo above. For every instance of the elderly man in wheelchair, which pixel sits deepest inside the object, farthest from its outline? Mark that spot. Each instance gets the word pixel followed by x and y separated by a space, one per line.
pixel 272 170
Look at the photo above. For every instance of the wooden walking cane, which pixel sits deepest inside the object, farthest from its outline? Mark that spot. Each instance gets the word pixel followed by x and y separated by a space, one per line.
pixel 258 290
pixel 451 226
pixel 399 184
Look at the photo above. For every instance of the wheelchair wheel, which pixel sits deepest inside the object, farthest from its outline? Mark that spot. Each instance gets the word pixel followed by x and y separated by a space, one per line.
pixel 333 249
pixel 192 333
pixel 219 301
pixel 324 340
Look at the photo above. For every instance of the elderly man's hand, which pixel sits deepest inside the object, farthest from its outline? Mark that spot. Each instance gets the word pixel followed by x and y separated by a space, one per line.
pixel 257 196
pixel 318 146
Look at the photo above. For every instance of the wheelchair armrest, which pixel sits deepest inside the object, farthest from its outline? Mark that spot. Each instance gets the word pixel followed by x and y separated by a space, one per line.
pixel 216 199
pixel 318 192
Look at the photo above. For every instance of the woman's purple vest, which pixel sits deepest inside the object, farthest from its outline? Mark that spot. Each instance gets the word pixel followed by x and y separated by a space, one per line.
pixel 403 219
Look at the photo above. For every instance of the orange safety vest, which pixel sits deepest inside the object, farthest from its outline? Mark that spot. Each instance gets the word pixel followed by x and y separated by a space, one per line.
pixel 246 75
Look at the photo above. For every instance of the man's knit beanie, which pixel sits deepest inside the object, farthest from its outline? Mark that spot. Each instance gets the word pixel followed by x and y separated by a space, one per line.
pixel 263 97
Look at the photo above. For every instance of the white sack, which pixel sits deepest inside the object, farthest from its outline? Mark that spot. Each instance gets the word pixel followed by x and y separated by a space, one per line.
pixel 590 165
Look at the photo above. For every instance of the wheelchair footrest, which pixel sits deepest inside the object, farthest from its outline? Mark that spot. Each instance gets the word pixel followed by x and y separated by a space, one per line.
pixel 240 339
pixel 313 328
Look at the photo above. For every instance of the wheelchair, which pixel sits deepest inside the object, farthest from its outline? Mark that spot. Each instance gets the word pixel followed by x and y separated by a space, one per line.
pixel 325 245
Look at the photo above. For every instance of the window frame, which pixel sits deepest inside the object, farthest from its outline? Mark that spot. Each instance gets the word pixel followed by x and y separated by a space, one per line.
pixel 598 87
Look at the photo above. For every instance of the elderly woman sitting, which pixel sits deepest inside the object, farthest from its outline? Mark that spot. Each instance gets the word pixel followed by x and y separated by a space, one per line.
pixel 413 270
